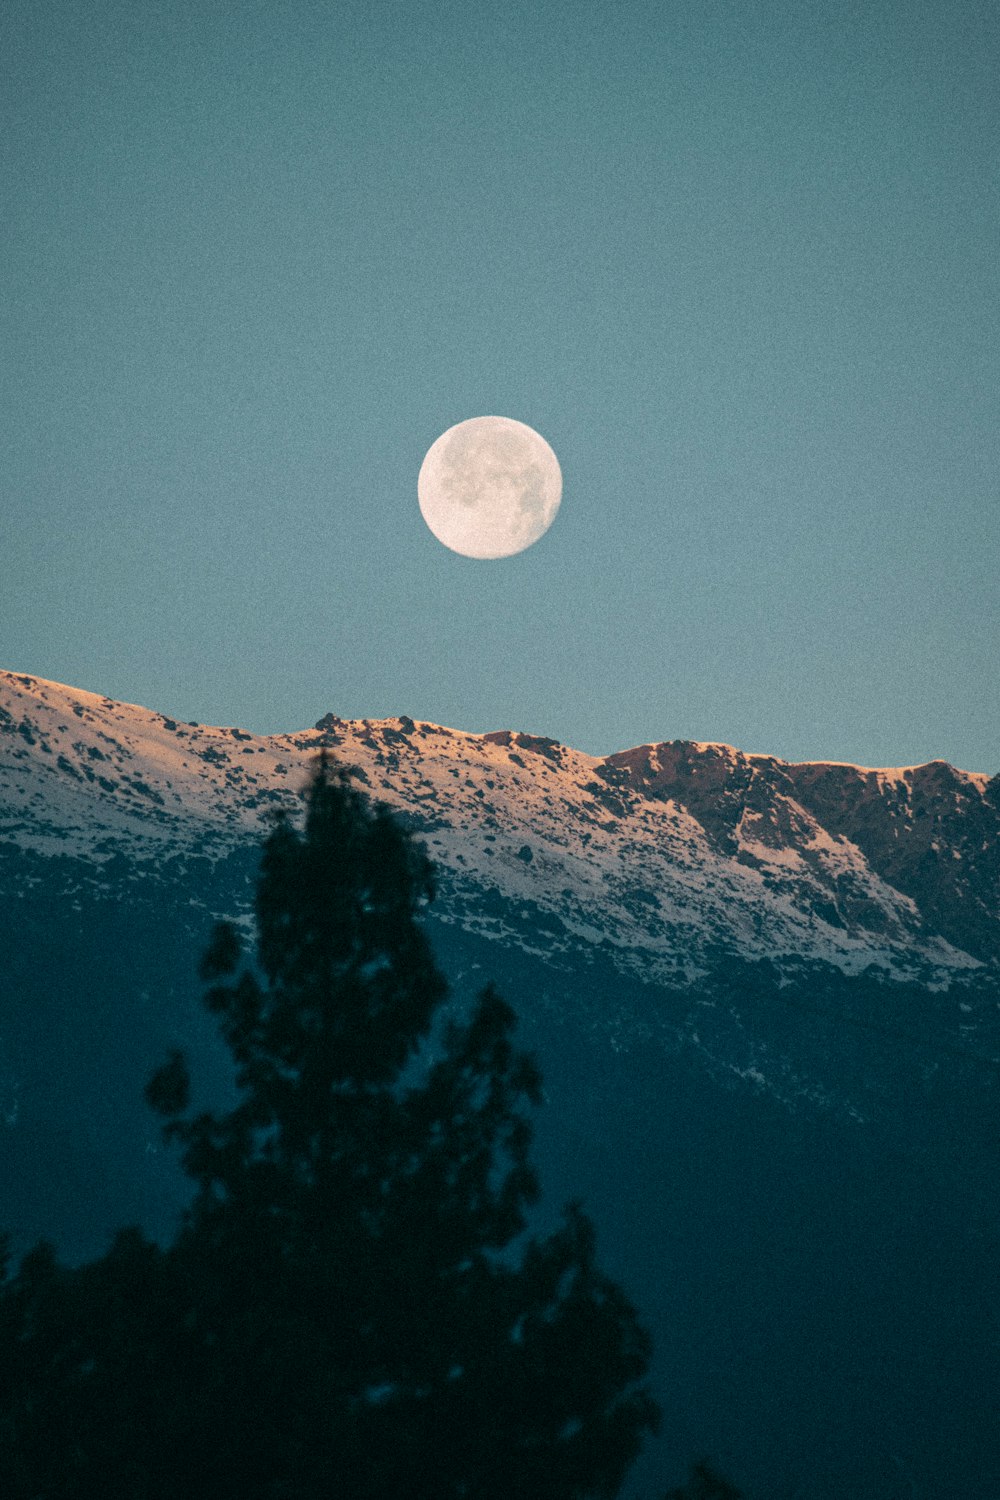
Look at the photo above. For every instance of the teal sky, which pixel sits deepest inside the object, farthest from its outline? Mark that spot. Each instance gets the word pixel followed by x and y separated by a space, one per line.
pixel 737 262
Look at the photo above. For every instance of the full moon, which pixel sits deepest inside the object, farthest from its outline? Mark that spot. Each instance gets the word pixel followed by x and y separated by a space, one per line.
pixel 489 487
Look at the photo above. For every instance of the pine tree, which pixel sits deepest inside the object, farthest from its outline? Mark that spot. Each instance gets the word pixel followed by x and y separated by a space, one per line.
pixel 353 1305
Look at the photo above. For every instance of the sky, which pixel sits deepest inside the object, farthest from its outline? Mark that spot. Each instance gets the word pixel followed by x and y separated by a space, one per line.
pixel 737 262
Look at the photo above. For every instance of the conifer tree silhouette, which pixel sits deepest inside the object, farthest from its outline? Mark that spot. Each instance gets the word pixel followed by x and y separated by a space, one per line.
pixel 353 1305
pixel 705 1483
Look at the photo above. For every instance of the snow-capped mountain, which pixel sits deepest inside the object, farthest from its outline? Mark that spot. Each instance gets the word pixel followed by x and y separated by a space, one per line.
pixel 667 856
pixel 765 999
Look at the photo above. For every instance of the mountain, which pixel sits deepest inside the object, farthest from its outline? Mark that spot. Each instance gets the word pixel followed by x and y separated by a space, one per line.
pixel 669 854
pixel 765 997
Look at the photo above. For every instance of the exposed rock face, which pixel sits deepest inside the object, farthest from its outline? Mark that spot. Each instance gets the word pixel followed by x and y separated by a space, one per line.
pixel 930 831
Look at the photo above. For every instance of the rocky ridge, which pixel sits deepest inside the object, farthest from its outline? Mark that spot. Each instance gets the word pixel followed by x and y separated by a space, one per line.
pixel 668 857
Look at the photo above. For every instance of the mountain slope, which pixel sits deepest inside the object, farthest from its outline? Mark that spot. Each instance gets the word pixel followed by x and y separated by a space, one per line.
pixel 669 855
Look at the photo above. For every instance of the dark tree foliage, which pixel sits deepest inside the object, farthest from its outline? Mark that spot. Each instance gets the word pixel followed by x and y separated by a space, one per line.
pixel 352 1306
pixel 705 1483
